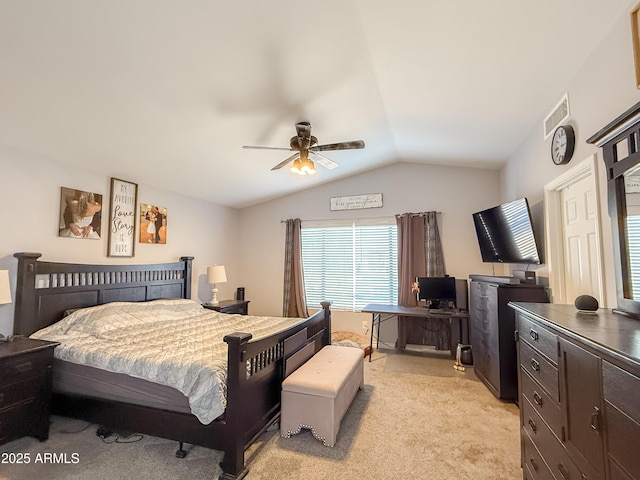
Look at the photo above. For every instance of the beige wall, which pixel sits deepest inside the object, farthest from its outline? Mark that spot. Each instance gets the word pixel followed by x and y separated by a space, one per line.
pixel 29 213
pixel 406 187
pixel 602 89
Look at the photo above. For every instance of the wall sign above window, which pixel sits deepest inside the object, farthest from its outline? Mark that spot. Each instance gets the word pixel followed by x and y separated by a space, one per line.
pixel 355 202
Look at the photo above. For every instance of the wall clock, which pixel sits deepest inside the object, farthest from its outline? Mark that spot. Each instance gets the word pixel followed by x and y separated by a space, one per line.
pixel 563 144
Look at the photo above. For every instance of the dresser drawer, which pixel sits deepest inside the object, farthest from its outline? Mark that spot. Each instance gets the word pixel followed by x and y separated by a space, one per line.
pixel 20 367
pixel 545 341
pixel 19 420
pixel 533 462
pixel 540 400
pixel 26 366
pixel 540 369
pixel 623 434
pixel 548 445
pixel 617 473
pixel 621 389
pixel 18 392
pixel 621 392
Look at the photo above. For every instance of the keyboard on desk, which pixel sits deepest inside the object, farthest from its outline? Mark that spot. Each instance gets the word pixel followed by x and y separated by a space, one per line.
pixel 441 311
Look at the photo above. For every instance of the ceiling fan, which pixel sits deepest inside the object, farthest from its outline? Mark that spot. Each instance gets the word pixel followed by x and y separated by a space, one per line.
pixel 307 150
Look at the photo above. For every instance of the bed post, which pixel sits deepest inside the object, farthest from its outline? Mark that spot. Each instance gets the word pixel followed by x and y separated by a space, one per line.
pixel 327 316
pixel 25 310
pixel 233 462
pixel 188 271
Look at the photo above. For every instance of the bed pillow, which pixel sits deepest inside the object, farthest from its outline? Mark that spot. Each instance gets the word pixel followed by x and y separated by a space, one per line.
pixel 116 315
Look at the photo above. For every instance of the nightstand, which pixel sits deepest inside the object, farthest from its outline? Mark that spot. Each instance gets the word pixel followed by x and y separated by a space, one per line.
pixel 25 388
pixel 230 306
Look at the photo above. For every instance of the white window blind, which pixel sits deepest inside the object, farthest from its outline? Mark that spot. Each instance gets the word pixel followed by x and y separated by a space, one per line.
pixel 351 264
pixel 633 235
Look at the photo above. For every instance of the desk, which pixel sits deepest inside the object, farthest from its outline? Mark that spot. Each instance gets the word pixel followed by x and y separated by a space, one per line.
pixel 458 321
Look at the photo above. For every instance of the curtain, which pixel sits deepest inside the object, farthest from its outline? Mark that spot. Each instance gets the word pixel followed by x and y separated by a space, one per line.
pixel 433 247
pixel 294 302
pixel 419 255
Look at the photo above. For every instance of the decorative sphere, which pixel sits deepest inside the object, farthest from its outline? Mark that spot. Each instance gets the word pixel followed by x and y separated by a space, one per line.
pixel 586 303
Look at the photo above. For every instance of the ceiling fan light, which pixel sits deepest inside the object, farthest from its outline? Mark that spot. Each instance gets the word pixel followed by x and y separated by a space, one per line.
pixel 308 166
pixel 297 167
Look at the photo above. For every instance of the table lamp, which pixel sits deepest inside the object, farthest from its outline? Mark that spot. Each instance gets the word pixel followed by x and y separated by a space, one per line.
pixel 5 289
pixel 216 274
pixel 5 293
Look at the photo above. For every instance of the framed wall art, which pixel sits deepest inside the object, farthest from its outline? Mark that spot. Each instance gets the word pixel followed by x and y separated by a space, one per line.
pixel 122 218
pixel 153 224
pixel 80 214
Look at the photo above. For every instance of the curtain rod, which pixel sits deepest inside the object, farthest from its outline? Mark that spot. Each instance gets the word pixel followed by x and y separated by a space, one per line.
pixel 342 219
pixel 419 214
pixel 365 218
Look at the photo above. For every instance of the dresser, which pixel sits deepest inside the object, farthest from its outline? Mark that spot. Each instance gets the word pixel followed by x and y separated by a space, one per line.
pixel 25 388
pixel 492 328
pixel 579 393
pixel 240 307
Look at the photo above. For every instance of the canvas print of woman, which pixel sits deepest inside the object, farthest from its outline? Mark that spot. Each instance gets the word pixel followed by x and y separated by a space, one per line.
pixel 153 224
pixel 80 214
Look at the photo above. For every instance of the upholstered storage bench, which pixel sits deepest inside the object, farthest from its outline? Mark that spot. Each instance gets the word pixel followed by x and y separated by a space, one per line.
pixel 317 395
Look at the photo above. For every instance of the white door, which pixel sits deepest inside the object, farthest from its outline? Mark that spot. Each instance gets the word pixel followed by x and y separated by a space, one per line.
pixel 579 221
pixel 572 234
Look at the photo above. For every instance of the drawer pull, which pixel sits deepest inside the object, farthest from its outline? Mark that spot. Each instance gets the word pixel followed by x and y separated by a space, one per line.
pixel 533 334
pixel 595 419
pixel 564 472
pixel 537 398
pixel 535 365
pixel 532 425
pixel 24 367
pixel 533 463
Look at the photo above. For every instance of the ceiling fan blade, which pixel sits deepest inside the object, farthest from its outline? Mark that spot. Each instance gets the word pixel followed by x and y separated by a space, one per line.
pixel 267 148
pixel 354 144
pixel 284 162
pixel 324 161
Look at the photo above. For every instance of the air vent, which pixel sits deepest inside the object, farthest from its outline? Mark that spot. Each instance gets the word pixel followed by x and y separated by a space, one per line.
pixel 558 115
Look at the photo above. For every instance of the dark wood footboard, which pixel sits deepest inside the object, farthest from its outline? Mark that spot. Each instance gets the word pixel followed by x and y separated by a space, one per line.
pixel 256 368
pixel 254 382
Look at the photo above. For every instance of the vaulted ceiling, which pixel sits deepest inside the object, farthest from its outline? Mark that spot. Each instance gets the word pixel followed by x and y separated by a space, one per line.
pixel 166 92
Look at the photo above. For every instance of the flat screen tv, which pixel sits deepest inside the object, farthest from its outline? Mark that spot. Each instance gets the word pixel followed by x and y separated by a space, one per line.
pixel 505 233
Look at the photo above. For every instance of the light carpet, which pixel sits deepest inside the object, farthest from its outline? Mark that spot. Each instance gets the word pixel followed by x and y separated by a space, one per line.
pixel 417 417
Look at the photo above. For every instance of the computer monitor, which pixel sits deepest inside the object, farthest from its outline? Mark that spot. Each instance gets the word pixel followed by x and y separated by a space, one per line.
pixel 438 292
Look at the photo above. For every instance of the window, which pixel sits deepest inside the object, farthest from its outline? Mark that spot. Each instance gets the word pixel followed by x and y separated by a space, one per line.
pixel 350 263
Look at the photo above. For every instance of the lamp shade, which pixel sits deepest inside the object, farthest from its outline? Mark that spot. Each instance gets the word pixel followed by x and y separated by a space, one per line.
pixel 216 274
pixel 5 289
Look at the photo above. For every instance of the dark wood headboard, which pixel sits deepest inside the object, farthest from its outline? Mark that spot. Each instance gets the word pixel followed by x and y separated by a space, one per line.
pixel 45 290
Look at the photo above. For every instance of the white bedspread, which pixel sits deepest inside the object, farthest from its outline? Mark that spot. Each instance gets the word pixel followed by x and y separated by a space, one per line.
pixel 172 342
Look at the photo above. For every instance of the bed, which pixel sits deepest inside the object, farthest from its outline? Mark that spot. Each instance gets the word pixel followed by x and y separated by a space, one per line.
pixel 255 367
